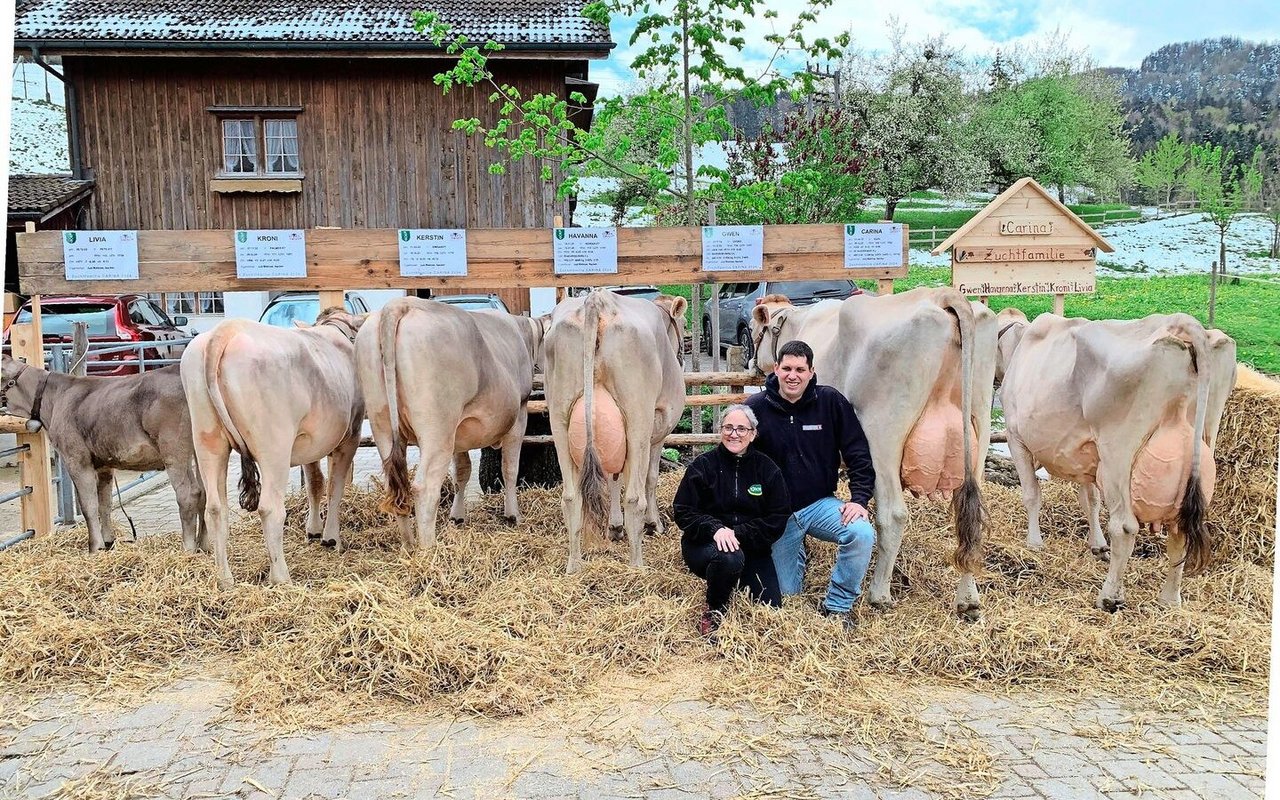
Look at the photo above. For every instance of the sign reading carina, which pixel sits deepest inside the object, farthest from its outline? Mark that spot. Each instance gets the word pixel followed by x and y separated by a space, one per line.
pixel 1036 227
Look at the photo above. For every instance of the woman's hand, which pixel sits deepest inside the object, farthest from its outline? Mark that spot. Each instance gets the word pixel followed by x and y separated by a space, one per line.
pixel 726 540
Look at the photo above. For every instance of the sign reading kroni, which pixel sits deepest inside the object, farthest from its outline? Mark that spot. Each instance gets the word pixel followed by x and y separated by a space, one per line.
pixel 1024 242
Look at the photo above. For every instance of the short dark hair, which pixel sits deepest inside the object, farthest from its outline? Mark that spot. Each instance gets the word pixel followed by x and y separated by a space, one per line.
pixel 795 347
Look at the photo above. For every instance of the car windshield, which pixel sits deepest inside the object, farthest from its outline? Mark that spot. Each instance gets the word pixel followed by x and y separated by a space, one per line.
pixel 283 313
pixel 470 303
pixel 56 318
pixel 811 288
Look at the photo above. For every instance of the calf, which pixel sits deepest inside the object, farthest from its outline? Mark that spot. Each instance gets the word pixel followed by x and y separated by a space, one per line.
pixel 135 422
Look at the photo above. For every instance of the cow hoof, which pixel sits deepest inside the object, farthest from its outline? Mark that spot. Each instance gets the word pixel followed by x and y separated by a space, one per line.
pixel 1103 554
pixel 109 545
pixel 617 533
pixel 457 520
pixel 312 537
pixel 1109 605
pixel 881 605
pixel 328 542
pixel 651 529
pixel 969 612
pixel 510 520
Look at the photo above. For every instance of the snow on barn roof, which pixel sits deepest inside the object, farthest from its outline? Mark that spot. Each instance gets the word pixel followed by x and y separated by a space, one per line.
pixel 36 197
pixel 526 24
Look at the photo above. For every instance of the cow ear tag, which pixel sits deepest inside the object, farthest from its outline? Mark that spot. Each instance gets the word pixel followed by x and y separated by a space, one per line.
pixel 755 490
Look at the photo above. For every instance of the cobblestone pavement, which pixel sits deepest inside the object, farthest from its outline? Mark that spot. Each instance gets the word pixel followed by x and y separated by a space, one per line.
pixel 180 743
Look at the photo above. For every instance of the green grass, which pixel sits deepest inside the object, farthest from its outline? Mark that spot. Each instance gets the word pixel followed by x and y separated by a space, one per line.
pixel 1247 311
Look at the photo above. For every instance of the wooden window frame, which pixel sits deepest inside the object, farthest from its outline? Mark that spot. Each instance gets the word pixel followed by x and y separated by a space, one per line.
pixel 259 180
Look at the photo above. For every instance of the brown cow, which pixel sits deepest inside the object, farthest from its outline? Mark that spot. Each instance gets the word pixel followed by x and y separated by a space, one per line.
pixel 100 424
pixel 615 389
pixel 1133 407
pixel 917 366
pixel 449 381
pixel 279 398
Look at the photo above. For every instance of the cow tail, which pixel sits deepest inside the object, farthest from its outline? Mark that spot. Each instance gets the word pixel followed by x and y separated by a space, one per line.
pixel 1191 516
pixel 966 504
pixel 395 466
pixel 250 484
pixel 591 481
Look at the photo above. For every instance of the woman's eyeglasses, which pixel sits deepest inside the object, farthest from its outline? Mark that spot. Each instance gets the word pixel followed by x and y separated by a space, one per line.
pixel 735 430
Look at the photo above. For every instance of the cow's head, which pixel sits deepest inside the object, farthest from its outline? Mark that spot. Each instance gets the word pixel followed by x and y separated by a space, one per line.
pixel 674 307
pixel 1011 323
pixel 338 318
pixel 21 390
pixel 767 321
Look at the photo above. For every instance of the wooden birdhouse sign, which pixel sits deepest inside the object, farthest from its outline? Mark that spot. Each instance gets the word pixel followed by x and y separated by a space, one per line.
pixel 1024 242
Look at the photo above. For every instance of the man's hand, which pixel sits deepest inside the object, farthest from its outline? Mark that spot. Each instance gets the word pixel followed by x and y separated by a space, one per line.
pixel 851 511
pixel 726 540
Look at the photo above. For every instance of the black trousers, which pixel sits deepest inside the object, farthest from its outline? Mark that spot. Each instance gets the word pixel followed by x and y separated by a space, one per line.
pixel 725 572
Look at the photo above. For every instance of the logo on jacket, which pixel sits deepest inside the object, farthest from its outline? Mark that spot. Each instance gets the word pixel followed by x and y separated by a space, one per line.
pixel 755 490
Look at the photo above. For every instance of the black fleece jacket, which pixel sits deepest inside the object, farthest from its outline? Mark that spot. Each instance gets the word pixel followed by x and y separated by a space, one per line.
pixel 745 493
pixel 807 439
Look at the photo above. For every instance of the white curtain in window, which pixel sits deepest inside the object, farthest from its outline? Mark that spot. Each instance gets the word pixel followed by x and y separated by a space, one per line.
pixel 239 150
pixel 282 145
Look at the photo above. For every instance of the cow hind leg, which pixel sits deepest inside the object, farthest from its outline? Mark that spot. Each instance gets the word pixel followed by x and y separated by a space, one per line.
pixel 190 496
pixel 433 467
pixel 653 515
pixel 570 496
pixel 1123 529
pixel 511 444
pixel 314 479
pixel 104 509
pixel 85 479
pixel 212 463
pixel 635 498
pixel 1091 504
pixel 461 477
pixel 340 471
pixel 1030 485
pixel 891 521
pixel 617 528
pixel 1176 546
pixel 274 480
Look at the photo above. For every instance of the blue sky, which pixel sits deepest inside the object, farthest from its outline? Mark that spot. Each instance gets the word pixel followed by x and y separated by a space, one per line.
pixel 1116 34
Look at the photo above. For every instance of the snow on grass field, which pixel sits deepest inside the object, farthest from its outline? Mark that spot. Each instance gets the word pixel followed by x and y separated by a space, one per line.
pixel 38 137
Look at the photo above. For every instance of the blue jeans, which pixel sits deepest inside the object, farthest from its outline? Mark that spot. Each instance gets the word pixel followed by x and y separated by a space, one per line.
pixel 821 520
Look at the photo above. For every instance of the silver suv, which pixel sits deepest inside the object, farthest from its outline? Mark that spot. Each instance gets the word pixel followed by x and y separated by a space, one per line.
pixel 737 300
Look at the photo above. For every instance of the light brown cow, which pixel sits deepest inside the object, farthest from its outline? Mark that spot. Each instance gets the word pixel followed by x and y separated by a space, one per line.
pixel 450 381
pixel 614 362
pixel 914 365
pixel 101 424
pixel 1132 407
pixel 279 398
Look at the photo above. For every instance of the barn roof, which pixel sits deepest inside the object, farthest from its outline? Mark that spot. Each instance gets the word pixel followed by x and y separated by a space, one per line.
pixel 357 24
pixel 38 197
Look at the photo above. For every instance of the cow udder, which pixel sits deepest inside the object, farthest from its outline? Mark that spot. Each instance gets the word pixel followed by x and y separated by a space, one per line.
pixel 933 454
pixel 1161 469
pixel 610 435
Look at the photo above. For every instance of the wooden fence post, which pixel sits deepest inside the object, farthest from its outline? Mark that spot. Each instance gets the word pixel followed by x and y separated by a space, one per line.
pixel 37 507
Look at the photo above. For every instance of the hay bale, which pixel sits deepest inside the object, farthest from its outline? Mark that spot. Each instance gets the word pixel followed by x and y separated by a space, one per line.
pixel 1242 516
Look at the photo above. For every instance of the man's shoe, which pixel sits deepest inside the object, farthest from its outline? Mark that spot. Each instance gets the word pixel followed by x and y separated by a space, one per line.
pixel 845 617
pixel 709 623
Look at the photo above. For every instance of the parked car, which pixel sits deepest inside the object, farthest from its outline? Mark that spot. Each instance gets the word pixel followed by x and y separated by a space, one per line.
pixel 304 307
pixel 111 319
pixel 474 302
pixel 737 300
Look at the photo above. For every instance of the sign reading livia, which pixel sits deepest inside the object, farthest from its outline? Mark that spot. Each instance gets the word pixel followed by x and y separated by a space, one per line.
pixel 433 252
pixel 585 251
pixel 872 245
pixel 271 254
pixel 732 247
pixel 100 255
pixel 1024 242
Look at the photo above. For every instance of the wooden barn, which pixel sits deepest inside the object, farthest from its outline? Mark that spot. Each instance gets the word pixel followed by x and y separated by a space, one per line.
pixel 196 114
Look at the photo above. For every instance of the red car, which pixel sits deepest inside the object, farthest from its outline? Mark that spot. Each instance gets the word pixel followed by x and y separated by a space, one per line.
pixel 112 319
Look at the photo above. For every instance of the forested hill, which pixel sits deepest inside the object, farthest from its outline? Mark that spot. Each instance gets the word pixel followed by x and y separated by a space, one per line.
pixel 1223 91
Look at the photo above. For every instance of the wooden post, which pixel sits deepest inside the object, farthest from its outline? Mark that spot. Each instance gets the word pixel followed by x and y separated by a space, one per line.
pixel 884 286
pixel 37 507
pixel 714 345
pixel 79 348
pixel 331 298
pixel 1059 304
pixel 10 307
